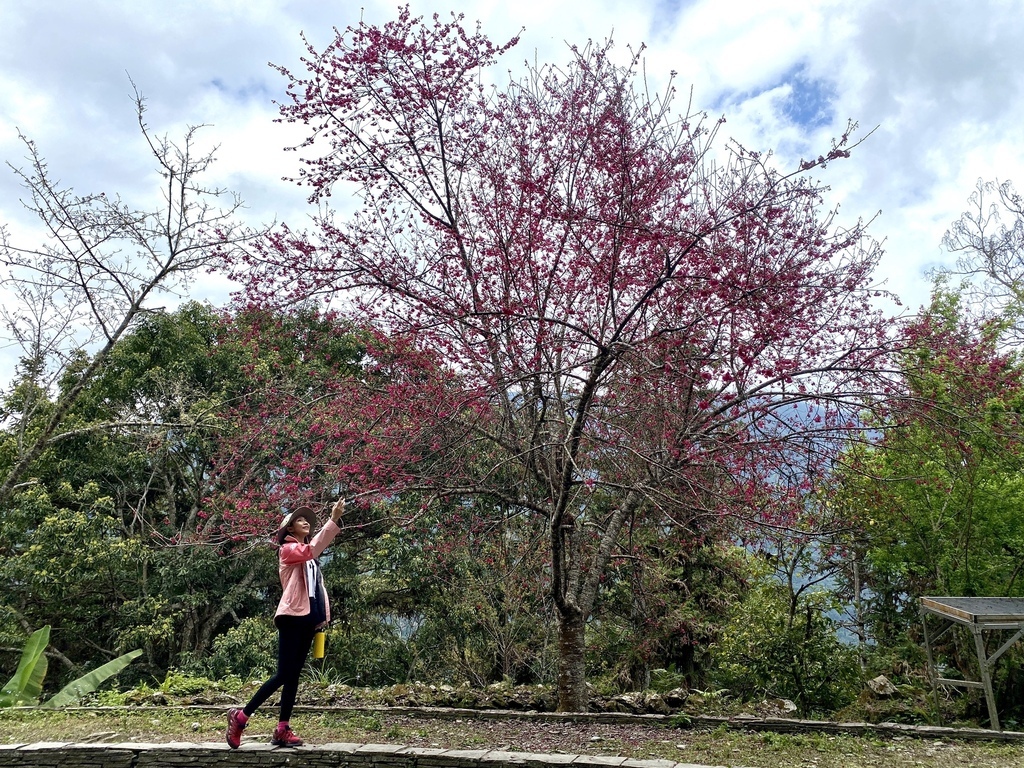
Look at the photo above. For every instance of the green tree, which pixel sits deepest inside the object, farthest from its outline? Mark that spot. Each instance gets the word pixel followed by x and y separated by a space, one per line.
pixel 64 564
pixel 936 500
pixel 663 603
pixel 127 484
pixel 122 484
pixel 456 596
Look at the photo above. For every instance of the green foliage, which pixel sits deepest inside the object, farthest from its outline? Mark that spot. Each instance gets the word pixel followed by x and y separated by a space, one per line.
pixel 775 647
pixel 248 650
pixel 663 608
pixel 118 502
pixel 456 598
pixel 123 698
pixel 179 684
pixel 27 684
pixel 935 505
pixel 66 565
pixel 73 692
pixel 25 687
pixel 664 680
pixel 371 653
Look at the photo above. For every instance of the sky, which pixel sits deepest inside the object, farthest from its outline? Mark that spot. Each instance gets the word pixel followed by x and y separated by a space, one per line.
pixel 935 86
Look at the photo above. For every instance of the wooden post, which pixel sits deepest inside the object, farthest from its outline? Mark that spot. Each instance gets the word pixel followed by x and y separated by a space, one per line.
pixel 932 676
pixel 986 677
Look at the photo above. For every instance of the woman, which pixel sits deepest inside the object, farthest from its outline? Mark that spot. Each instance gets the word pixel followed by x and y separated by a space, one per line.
pixel 303 609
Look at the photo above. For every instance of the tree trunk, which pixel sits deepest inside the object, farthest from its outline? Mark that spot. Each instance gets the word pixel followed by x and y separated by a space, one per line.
pixel 572 678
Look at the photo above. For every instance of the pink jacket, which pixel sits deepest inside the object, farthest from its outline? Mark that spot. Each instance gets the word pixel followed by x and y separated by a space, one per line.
pixel 291 565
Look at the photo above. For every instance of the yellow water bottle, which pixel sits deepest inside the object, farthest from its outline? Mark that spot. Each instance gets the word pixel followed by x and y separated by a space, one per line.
pixel 318 644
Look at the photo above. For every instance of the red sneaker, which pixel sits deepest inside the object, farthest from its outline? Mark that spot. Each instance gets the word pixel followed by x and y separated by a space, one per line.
pixel 235 728
pixel 284 736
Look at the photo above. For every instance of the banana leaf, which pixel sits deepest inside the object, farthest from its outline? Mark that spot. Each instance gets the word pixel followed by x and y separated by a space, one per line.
pixel 27 684
pixel 89 682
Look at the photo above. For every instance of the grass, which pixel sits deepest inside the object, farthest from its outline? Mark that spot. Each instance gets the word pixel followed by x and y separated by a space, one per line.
pixel 720 746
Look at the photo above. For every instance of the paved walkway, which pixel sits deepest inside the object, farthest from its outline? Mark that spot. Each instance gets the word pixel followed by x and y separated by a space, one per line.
pixel 341 755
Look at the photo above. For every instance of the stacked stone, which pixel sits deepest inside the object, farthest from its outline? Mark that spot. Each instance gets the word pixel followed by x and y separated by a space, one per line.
pixel 341 755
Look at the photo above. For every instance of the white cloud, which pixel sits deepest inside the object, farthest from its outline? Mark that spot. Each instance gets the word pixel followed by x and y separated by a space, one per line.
pixel 941 81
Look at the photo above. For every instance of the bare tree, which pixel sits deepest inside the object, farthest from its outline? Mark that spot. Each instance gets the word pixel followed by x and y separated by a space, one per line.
pixel 988 239
pixel 96 274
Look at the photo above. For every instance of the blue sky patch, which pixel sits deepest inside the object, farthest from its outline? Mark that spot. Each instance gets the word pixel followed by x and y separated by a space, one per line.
pixel 809 103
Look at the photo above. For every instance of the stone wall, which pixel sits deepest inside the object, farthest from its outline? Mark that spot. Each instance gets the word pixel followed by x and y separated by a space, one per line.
pixel 184 755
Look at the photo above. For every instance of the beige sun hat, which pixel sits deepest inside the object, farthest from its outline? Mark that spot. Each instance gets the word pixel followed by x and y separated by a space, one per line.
pixel 303 511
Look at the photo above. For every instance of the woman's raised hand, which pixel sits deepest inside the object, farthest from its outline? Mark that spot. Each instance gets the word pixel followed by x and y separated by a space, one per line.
pixel 338 510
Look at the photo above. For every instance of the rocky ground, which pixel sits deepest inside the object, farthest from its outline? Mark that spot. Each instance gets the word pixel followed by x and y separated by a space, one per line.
pixel 523 698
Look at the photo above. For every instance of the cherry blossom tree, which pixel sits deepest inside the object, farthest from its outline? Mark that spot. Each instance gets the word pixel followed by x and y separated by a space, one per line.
pixel 641 325
pixel 329 410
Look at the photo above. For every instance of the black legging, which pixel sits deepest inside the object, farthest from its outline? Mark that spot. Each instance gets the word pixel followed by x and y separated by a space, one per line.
pixel 294 637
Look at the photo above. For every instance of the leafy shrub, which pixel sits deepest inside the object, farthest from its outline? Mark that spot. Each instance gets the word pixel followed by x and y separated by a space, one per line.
pixel 180 684
pixel 248 651
pixel 773 647
pixel 372 654
pixel 664 680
